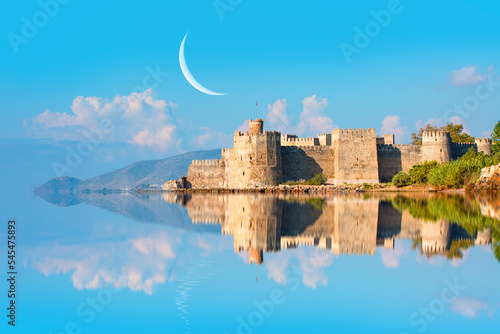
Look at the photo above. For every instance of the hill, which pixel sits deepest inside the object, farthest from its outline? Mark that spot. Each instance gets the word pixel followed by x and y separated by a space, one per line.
pixel 131 176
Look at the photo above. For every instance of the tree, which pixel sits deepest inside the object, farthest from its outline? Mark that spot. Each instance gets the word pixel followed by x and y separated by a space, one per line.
pixel 495 139
pixel 420 173
pixel 456 131
pixel 416 139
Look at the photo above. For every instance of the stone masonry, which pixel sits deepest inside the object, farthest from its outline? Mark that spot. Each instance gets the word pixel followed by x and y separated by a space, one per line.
pixel 353 156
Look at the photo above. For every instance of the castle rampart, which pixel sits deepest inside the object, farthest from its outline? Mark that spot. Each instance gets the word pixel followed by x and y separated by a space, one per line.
pixel 267 158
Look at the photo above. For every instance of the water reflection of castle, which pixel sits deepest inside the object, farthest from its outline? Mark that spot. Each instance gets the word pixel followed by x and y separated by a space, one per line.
pixel 344 225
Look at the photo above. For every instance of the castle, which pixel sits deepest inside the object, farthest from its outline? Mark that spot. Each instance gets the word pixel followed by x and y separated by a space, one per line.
pixel 354 156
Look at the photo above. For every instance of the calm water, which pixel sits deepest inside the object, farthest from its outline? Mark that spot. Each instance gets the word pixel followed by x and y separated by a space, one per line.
pixel 249 263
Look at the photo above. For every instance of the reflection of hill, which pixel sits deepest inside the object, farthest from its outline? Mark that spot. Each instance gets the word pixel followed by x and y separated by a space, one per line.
pixel 59 191
pixel 132 176
pixel 144 208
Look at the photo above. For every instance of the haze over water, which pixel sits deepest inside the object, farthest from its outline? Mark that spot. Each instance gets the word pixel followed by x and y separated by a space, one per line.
pixel 253 263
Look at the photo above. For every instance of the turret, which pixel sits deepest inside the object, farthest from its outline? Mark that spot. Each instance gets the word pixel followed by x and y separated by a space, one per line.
pixel 435 236
pixel 256 126
pixel 256 256
pixel 436 145
pixel 484 145
pixel 483 237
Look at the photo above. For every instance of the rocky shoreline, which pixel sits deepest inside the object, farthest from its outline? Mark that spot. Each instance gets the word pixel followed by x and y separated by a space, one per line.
pixel 322 189
pixel 489 180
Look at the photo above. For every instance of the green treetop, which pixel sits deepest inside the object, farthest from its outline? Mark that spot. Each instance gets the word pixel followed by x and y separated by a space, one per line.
pixel 495 139
pixel 456 132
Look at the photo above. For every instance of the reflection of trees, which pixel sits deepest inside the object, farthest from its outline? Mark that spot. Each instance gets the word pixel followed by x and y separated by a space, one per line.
pixel 456 248
pixel 465 212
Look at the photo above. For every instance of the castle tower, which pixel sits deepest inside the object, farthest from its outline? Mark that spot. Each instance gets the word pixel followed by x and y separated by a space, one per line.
pixel 255 160
pixel 483 145
pixel 435 236
pixel 436 145
pixel 356 157
pixel 257 126
pixel 256 256
pixel 483 237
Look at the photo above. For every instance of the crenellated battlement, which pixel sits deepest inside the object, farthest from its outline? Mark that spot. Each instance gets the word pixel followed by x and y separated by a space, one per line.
pixel 482 140
pixel 207 162
pixel 298 139
pixel 464 144
pixel 274 135
pixel 287 140
pixel 355 131
pixel 241 134
pixel 387 147
pixel 435 134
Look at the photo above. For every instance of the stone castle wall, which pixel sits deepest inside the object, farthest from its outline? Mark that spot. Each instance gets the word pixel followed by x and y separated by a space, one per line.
pixel 304 162
pixel 356 158
pixel 459 149
pixel 395 158
pixel 207 174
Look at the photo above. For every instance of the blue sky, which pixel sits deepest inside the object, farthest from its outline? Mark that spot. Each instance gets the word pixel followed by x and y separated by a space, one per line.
pixel 86 61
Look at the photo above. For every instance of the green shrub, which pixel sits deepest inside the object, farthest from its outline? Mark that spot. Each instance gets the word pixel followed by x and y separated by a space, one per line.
pixel 420 173
pixel 292 183
pixel 317 180
pixel 401 179
pixel 458 173
pixel 367 186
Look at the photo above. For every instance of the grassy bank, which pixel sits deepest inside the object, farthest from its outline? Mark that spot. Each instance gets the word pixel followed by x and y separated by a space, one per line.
pixel 455 174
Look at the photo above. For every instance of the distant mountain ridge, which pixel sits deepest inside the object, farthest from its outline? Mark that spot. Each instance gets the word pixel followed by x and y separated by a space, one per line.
pixel 131 176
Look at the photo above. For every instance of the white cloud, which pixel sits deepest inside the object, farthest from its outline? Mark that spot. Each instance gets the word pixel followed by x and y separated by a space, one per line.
pixel 244 127
pixel 312 119
pixel 459 120
pixel 145 261
pixel 212 139
pixel 310 263
pixel 392 257
pixel 391 125
pixel 139 118
pixel 432 121
pixel 277 116
pixel 486 134
pixel 467 76
pixel 469 307
pixel 438 122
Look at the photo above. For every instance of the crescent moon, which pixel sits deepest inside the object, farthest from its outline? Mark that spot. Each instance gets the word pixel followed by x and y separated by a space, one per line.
pixel 187 74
